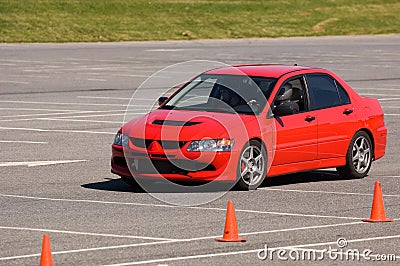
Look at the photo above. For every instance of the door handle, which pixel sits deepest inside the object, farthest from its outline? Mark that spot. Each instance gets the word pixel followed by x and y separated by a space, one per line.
pixel 309 118
pixel 348 111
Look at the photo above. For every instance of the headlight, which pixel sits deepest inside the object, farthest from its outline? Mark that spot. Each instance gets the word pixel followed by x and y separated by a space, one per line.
pixel 121 139
pixel 211 145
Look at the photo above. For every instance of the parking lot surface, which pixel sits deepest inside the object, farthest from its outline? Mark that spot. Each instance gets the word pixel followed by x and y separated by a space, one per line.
pixel 61 105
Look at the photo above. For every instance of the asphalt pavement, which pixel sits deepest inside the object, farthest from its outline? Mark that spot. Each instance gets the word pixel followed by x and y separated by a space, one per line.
pixel 61 105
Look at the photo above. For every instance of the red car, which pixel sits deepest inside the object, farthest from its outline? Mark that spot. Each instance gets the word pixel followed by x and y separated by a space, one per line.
pixel 246 122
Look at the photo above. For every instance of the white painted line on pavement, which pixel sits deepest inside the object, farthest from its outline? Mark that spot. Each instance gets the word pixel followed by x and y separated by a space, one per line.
pixel 96 68
pixel 325 192
pixel 39 109
pixel 22 61
pixel 91 73
pixel 389 99
pixel 35 71
pixel 87 250
pixel 58 103
pixel 82 120
pixel 38 163
pixel 14 82
pixel 167 50
pixel 114 98
pixel 44 114
pixel 378 94
pixel 22 141
pixel 167 242
pixel 84 233
pixel 19 119
pixel 102 80
pixel 77 59
pixel 102 97
pixel 49 66
pixel 102 66
pixel 187 257
pixel 249 251
pixel 129 75
pixel 30 115
pixel 185 207
pixel 40 76
pixel 122 112
pixel 282 230
pixel 301 228
pixel 7 64
pixel 380 89
pixel 67 118
pixel 295 214
pixel 85 116
pixel 57 130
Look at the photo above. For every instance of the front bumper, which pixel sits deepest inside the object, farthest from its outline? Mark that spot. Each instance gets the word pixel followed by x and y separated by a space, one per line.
pixel 174 165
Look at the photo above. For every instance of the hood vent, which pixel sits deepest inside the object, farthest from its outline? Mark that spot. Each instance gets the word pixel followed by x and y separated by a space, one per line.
pixel 175 123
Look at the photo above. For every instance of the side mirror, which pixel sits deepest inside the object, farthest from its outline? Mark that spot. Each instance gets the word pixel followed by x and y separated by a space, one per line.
pixel 162 100
pixel 283 109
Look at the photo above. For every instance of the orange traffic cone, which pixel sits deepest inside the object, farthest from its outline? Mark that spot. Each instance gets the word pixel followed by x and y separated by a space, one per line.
pixel 45 258
pixel 378 207
pixel 231 228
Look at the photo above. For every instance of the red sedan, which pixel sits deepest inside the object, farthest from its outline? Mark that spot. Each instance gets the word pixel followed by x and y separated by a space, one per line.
pixel 247 122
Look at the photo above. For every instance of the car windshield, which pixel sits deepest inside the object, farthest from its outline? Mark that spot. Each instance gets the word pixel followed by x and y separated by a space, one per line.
pixel 223 93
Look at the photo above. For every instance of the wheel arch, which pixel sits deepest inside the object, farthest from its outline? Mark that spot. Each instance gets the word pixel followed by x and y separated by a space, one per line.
pixel 371 137
pixel 269 153
pixel 260 141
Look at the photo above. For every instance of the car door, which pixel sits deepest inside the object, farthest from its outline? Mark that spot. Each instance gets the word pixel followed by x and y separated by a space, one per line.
pixel 335 115
pixel 296 134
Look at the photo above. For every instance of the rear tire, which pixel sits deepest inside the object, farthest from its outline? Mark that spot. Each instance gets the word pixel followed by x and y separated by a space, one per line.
pixel 252 165
pixel 358 157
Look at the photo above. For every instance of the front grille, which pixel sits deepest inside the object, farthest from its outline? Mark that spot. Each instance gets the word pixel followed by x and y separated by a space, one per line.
pixel 170 144
pixel 165 144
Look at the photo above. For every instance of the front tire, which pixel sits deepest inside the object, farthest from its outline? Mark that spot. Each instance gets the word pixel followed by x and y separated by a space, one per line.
pixel 252 166
pixel 358 157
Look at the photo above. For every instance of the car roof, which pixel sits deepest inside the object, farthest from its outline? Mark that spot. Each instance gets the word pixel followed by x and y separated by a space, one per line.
pixel 271 71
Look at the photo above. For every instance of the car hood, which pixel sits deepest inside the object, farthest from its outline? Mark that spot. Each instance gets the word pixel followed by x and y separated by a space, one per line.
pixel 186 125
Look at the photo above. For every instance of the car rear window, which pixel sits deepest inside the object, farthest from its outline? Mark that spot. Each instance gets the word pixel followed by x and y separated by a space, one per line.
pixel 323 91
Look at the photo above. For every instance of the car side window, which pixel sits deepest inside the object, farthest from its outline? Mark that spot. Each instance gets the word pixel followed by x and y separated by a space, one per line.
pixel 344 97
pixel 293 93
pixel 323 91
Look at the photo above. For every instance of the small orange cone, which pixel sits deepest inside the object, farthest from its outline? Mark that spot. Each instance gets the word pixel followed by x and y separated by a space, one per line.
pixel 45 258
pixel 378 207
pixel 231 228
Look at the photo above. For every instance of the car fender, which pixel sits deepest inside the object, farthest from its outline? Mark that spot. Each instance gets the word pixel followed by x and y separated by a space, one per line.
pixel 374 123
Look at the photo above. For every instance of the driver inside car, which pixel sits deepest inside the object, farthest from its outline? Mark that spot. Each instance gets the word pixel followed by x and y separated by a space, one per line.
pixel 229 97
pixel 286 96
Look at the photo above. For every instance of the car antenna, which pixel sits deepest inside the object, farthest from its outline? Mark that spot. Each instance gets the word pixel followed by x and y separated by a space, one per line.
pixel 295 64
